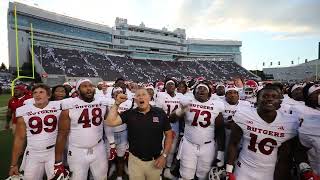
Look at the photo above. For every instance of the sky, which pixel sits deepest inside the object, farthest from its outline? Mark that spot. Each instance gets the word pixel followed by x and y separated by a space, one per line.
pixel 270 31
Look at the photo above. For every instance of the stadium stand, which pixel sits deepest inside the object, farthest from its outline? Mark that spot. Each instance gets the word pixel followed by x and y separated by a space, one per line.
pixel 85 63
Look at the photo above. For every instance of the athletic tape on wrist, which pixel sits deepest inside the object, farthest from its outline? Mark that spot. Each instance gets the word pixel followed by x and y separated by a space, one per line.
pixel 229 168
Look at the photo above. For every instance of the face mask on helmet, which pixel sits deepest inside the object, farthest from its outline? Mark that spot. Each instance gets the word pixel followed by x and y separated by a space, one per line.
pixel 249 92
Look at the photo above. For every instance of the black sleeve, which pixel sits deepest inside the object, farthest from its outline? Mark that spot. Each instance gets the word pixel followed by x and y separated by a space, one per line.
pixel 166 124
pixel 125 116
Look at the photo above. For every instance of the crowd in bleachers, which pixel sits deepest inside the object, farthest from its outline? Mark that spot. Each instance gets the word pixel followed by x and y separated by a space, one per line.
pixel 83 63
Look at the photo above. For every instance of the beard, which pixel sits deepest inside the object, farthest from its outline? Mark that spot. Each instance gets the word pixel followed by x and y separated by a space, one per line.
pixel 86 98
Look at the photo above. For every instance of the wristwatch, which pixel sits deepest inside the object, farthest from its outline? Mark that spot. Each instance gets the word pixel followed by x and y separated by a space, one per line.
pixel 164 155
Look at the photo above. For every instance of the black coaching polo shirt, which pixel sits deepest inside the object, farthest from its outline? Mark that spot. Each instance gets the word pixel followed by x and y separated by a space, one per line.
pixel 145 131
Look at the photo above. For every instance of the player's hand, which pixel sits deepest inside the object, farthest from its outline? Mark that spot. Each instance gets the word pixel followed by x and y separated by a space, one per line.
pixel 160 162
pixel 309 175
pixel 113 152
pixel 14 171
pixel 60 171
pixel 230 176
pixel 120 99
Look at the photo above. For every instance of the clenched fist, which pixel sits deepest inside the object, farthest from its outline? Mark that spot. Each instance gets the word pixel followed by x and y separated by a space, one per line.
pixel 120 99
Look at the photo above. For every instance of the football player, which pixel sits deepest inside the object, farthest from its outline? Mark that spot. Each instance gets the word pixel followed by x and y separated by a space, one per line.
pixel 38 123
pixel 263 130
pixel 309 133
pixel 203 126
pixel 118 136
pixel 20 95
pixel 231 104
pixel 81 122
pixel 169 101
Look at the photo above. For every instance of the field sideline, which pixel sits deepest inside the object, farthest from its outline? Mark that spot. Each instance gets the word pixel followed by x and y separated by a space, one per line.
pixel 6 138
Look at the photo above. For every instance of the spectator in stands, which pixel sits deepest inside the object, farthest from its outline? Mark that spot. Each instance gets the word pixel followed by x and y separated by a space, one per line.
pixel 20 95
pixel 59 92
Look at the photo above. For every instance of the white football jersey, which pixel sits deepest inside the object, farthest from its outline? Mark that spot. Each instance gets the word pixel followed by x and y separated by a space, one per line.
pixel 29 101
pixel 168 104
pixel 200 120
pixel 230 110
pixel 309 134
pixel 41 124
pixel 261 139
pixel 216 97
pixel 86 126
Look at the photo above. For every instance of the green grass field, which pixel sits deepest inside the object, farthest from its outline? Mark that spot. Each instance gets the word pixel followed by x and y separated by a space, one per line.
pixel 6 138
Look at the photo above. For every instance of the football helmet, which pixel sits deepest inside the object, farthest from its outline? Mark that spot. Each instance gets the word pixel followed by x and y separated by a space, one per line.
pixel 217 173
pixel 250 88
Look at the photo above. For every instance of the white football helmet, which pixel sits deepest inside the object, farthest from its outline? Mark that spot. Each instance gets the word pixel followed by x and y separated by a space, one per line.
pixel 15 177
pixel 217 174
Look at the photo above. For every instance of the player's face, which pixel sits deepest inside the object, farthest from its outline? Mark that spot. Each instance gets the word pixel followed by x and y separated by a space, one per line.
pixel 297 94
pixel 314 98
pixel 69 88
pixel 170 87
pixel 150 92
pixel 202 94
pixel 220 91
pixel 40 96
pixel 134 87
pixel 232 97
pixel 18 93
pixel 269 100
pixel 86 90
pixel 99 86
pixel 121 84
pixel 142 98
pixel 182 89
pixel 59 93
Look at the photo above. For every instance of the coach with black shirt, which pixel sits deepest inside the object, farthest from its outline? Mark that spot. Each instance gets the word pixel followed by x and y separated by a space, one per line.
pixel 146 125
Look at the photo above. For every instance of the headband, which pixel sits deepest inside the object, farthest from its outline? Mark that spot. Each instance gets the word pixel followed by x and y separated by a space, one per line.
pixel 313 88
pixel 203 85
pixel 170 81
pixel 82 81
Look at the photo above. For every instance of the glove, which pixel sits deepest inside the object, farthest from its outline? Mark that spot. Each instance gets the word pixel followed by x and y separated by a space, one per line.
pixel 126 155
pixel 309 175
pixel 306 172
pixel 230 175
pixel 113 152
pixel 60 172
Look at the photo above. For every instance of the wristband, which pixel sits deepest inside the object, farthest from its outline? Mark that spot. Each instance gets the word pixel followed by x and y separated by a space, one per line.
pixel 304 167
pixel 112 145
pixel 229 168
pixel 220 155
pixel 58 163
